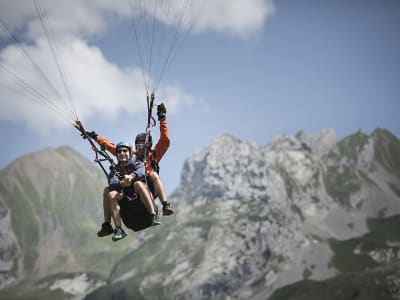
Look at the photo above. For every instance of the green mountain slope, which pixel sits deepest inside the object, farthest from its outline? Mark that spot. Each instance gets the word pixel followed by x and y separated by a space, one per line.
pixel 53 201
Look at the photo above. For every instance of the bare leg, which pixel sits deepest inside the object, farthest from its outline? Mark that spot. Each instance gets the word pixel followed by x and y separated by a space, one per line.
pixel 145 196
pixel 160 193
pixel 147 199
pixel 106 227
pixel 158 187
pixel 114 197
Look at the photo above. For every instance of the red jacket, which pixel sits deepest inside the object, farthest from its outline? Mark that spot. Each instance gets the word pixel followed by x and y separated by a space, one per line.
pixel 157 152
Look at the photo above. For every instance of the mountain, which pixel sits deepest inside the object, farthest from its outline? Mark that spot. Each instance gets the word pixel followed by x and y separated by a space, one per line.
pixel 50 210
pixel 368 266
pixel 251 220
pixel 300 217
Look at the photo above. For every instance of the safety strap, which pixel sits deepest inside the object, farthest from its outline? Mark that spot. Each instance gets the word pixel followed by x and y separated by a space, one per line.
pixel 98 152
pixel 151 122
pixel 154 163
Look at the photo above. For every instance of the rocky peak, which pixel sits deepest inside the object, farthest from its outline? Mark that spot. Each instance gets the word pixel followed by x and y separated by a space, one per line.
pixel 229 167
pixel 321 143
pixel 386 150
pixel 353 145
pixel 224 168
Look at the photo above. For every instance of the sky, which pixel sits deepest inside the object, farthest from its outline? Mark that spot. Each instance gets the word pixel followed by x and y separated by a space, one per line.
pixel 255 69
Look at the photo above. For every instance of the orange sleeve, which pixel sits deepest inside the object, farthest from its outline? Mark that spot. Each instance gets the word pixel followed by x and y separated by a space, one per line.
pixel 163 143
pixel 110 146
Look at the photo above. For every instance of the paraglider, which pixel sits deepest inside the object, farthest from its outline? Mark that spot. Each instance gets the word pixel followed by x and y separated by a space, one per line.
pixel 133 213
pixel 158 27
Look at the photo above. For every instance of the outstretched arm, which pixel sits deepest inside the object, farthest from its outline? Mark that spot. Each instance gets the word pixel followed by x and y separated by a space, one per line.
pixel 163 143
pixel 110 146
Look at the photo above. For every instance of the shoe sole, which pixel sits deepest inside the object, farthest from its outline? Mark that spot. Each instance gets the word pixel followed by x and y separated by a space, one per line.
pixel 103 235
pixel 117 239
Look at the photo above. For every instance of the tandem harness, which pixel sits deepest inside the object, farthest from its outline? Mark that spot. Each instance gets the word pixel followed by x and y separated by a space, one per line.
pixel 98 152
pixel 120 172
pixel 151 122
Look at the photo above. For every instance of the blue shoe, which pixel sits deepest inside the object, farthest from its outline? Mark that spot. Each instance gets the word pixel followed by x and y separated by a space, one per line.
pixel 119 234
pixel 154 220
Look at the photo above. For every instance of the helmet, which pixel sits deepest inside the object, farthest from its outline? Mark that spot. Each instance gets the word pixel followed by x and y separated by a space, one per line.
pixel 124 145
pixel 141 138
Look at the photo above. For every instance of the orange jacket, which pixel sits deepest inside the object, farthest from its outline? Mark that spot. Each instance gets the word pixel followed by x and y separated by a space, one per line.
pixel 160 148
pixel 157 152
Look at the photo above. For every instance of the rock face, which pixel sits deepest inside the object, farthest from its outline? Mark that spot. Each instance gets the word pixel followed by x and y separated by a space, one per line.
pixel 251 219
pixel 279 204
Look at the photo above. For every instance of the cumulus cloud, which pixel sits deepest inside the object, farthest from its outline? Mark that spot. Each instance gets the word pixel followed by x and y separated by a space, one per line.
pixel 73 17
pixel 93 17
pixel 235 17
pixel 98 87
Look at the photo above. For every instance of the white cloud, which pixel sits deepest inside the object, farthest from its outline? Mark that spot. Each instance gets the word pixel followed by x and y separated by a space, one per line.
pixel 73 17
pixel 175 98
pixel 99 87
pixel 235 17
pixel 83 18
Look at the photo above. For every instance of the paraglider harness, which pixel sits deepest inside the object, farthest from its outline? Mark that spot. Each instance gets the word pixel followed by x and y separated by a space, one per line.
pixel 133 213
pixel 151 122
pixel 101 154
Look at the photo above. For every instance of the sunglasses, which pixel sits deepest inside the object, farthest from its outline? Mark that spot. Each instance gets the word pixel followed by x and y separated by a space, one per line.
pixel 119 151
pixel 140 146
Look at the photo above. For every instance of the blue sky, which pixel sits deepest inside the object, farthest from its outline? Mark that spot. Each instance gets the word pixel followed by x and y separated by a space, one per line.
pixel 254 69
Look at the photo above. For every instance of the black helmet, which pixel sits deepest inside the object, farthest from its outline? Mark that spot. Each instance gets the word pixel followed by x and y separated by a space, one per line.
pixel 141 138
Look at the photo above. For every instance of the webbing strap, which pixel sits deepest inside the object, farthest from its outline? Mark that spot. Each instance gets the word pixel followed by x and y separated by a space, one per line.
pixel 151 122
pixel 102 152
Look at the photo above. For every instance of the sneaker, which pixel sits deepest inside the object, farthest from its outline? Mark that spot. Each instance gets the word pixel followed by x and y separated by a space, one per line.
pixel 119 234
pixel 106 229
pixel 154 220
pixel 167 210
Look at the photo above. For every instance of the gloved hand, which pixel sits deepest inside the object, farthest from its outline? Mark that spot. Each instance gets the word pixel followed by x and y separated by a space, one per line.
pixel 90 134
pixel 161 112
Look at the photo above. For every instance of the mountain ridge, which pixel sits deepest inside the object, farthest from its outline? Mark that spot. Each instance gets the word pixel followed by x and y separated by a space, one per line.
pixel 249 220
